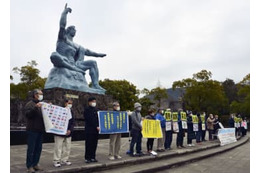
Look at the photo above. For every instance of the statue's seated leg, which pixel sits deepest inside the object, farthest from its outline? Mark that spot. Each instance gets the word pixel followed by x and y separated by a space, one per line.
pixel 61 61
pixel 91 65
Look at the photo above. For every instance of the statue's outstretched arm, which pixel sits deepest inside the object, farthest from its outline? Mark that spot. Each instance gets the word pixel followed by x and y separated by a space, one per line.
pixel 91 53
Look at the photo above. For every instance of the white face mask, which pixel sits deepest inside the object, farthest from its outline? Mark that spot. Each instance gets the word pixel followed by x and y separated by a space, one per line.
pixel 118 108
pixel 69 105
pixel 93 104
pixel 139 109
pixel 40 97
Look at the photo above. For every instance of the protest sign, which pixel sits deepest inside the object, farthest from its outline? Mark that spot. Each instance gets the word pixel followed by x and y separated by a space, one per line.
pixel 226 136
pixel 175 116
pixel 203 126
pixel 184 125
pixel 202 118
pixel 168 126
pixel 151 129
pixel 221 125
pixel 183 116
pixel 196 127
pixel 113 122
pixel 168 115
pixel 55 118
pixel 195 119
pixel 175 126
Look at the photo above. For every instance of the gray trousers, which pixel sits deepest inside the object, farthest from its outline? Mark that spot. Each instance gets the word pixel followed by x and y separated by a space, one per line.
pixel 114 144
pixel 160 141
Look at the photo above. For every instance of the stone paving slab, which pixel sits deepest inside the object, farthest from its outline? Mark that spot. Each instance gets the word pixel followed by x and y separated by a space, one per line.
pixel 18 155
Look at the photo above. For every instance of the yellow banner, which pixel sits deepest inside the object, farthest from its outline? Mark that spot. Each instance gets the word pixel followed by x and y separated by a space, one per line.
pixel 151 129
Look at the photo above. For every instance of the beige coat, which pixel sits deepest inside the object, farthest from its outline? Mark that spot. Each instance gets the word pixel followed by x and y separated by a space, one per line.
pixel 210 123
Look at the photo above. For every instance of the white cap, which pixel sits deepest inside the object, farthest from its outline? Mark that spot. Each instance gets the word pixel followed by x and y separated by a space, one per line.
pixel 136 105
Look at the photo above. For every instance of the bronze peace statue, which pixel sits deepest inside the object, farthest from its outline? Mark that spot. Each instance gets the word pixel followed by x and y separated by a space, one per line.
pixel 69 65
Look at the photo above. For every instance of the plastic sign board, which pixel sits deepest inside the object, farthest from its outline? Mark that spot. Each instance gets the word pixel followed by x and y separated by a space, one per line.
pixel 111 122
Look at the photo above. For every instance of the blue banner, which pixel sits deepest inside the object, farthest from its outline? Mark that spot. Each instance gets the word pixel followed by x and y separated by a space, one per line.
pixel 113 122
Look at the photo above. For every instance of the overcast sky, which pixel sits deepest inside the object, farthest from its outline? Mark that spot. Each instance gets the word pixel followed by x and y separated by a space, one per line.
pixel 146 41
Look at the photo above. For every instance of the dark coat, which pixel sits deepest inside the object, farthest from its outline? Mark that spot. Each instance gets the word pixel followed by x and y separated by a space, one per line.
pixel 180 123
pixel 231 122
pixel 91 120
pixel 34 117
pixel 190 132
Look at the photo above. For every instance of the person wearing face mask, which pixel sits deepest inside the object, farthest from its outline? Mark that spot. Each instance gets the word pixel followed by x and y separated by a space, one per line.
pixel 115 139
pixel 136 134
pixel 35 129
pixel 149 143
pixel 91 130
pixel 231 121
pixel 160 141
pixel 62 143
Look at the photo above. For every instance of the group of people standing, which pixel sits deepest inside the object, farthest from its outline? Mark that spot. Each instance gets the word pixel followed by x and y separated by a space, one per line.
pixel 62 143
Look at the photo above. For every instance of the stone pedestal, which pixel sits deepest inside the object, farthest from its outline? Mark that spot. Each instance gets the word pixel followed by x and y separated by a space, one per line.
pixel 69 79
pixel 57 96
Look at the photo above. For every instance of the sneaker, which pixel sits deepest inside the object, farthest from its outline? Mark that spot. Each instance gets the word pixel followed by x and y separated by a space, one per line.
pixel 31 170
pixel 87 161
pixel 93 160
pixel 118 157
pixel 179 147
pixel 111 158
pixel 189 145
pixel 66 163
pixel 153 153
pixel 37 168
pixel 57 164
pixel 192 145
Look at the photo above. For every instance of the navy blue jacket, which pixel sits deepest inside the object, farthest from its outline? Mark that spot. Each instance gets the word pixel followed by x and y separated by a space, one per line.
pixel 231 122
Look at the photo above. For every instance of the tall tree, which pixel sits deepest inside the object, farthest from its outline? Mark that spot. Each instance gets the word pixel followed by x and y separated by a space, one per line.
pixel 230 90
pixel 242 105
pixel 202 93
pixel 121 90
pixel 30 79
pixel 158 94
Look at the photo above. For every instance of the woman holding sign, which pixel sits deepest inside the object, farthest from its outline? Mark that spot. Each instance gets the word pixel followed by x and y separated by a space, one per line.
pixel 149 144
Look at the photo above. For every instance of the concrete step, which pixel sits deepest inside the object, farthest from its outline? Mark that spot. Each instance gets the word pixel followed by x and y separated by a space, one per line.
pixel 159 164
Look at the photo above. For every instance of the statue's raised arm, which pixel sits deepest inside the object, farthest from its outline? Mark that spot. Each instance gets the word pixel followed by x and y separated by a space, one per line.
pixel 63 22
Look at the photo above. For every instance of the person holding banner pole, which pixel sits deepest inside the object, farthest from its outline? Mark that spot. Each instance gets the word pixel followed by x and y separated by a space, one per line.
pixel 136 134
pixel 190 132
pixel 203 127
pixel 180 134
pixel 115 139
pixel 91 130
pixel 160 141
pixel 199 132
pixel 35 129
pixel 216 127
pixel 62 143
pixel 210 126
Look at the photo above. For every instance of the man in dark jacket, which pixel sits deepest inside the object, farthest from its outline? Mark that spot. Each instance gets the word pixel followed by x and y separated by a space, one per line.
pixel 35 130
pixel 91 130
pixel 180 134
